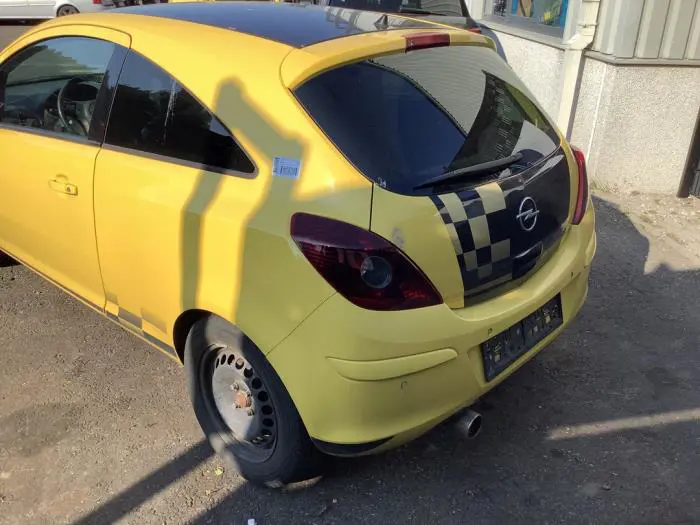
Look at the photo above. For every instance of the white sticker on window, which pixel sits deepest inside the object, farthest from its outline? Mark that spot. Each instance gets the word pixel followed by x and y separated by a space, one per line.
pixel 285 167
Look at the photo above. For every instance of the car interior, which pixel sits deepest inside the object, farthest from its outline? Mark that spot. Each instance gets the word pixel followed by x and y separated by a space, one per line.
pixel 63 104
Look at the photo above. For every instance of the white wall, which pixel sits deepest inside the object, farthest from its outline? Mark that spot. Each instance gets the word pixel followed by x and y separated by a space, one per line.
pixel 635 124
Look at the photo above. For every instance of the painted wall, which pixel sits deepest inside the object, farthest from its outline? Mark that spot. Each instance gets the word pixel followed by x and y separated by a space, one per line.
pixel 635 124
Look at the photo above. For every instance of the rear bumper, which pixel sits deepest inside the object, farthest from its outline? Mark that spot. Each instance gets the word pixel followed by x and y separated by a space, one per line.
pixel 373 380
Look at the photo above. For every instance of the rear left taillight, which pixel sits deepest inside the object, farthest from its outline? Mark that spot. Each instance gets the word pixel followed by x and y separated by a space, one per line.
pixel 582 196
pixel 363 267
pixel 97 2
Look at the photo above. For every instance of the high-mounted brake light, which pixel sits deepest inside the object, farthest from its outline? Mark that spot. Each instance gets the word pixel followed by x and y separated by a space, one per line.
pixel 582 196
pixel 363 267
pixel 425 40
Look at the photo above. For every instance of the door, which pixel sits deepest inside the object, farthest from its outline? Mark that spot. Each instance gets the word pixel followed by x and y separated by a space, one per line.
pixel 166 160
pixel 49 92
pixel 42 8
pixel 13 8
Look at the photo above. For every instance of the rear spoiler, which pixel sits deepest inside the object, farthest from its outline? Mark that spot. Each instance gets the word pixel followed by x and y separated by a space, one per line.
pixel 302 64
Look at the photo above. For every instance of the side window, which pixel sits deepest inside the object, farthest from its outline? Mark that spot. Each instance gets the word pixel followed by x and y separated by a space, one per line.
pixel 53 85
pixel 153 113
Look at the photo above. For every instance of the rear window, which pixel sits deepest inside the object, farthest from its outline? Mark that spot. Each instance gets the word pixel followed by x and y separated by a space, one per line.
pixel 407 118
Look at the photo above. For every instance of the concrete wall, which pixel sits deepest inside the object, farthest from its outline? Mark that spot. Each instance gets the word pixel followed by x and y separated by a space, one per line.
pixel 538 66
pixel 635 123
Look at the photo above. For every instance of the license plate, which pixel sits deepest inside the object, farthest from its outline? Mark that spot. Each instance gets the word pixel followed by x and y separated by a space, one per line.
pixel 503 349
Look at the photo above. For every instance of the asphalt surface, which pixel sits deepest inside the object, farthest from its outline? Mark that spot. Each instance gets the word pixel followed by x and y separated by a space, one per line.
pixel 11 30
pixel 603 427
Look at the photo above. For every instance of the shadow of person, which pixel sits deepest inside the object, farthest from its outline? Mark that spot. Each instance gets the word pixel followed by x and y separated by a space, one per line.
pixel 269 143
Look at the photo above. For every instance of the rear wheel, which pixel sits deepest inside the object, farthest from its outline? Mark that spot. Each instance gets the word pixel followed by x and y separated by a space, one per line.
pixel 67 10
pixel 243 407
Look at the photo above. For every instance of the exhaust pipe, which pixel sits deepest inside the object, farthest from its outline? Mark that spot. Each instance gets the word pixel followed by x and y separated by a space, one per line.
pixel 469 423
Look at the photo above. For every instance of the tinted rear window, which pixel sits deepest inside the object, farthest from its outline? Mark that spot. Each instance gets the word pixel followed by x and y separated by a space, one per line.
pixel 403 119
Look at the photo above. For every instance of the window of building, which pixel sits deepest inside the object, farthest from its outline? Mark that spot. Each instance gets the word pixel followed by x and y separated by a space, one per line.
pixel 154 114
pixel 544 16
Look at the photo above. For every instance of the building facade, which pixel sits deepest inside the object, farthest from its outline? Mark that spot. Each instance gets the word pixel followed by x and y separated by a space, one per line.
pixel 620 77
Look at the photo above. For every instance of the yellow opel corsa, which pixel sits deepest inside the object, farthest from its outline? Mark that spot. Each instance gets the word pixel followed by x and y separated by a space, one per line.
pixel 347 225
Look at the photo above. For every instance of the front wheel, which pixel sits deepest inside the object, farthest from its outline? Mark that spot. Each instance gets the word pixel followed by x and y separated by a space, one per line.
pixel 243 407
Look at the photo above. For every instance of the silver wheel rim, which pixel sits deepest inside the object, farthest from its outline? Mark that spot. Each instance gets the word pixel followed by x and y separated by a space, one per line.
pixel 242 402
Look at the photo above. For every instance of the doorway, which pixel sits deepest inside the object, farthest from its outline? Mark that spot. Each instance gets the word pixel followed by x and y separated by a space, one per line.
pixel 690 183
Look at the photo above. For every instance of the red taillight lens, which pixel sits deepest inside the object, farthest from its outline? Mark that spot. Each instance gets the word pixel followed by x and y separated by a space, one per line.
pixel 97 2
pixel 475 30
pixel 425 40
pixel 363 267
pixel 582 197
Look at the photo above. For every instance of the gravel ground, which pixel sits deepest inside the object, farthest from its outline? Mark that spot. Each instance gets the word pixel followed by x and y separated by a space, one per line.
pixel 603 427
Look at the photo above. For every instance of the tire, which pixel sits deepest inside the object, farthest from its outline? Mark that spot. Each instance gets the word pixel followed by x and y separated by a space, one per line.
pixel 6 260
pixel 66 10
pixel 226 373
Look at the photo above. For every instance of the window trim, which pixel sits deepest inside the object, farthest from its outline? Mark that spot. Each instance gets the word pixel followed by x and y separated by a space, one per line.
pixel 49 134
pixel 89 139
pixel 181 162
pixel 167 158
pixel 105 97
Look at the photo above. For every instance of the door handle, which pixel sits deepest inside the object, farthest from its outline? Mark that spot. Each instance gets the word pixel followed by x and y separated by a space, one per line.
pixel 61 186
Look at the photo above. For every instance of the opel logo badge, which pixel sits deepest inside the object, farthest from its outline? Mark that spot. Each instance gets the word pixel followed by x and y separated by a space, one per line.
pixel 527 214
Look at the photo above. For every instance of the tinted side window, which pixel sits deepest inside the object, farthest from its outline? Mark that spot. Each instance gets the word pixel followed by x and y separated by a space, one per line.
pixel 53 85
pixel 153 113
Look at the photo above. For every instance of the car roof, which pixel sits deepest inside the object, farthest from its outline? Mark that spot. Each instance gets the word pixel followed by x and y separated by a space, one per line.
pixel 296 25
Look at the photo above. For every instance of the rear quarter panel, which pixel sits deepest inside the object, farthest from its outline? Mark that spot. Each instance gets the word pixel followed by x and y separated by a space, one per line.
pixel 175 238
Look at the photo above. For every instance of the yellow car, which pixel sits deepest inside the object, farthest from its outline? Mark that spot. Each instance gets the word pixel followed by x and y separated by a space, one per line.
pixel 347 225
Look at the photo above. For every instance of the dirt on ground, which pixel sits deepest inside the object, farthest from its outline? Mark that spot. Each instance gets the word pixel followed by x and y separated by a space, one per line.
pixel 665 217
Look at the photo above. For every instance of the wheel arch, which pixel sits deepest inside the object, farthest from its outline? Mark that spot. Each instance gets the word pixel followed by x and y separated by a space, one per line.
pixel 65 3
pixel 182 326
pixel 187 319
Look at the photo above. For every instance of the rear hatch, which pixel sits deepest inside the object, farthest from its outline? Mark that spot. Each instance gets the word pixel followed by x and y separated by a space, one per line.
pixel 471 180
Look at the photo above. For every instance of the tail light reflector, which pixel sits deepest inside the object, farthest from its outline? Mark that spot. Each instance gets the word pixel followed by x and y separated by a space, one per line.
pixel 97 2
pixel 363 267
pixel 425 40
pixel 582 196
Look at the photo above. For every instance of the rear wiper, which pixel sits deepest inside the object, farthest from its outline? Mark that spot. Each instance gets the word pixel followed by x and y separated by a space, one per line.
pixel 476 169
pixel 417 11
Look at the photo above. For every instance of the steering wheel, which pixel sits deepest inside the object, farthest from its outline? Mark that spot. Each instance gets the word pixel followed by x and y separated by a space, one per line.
pixel 81 108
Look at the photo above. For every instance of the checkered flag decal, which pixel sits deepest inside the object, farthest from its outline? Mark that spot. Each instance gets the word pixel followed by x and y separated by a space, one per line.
pixel 479 226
